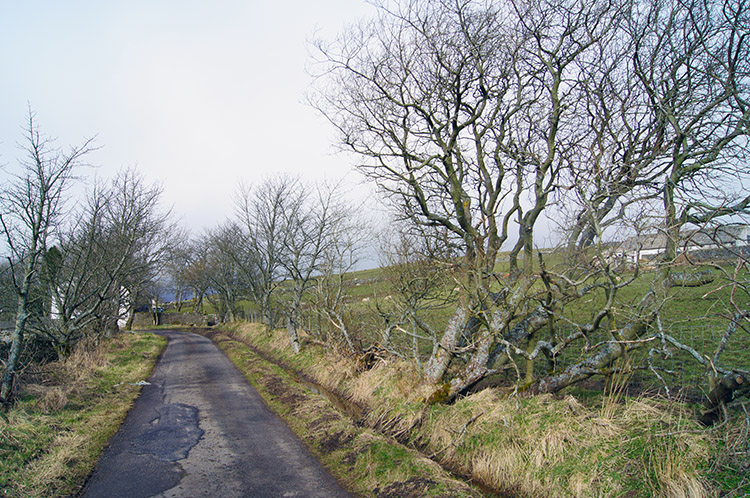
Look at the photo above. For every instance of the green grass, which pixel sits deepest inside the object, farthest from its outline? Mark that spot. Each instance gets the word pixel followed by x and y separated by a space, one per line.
pixel 52 437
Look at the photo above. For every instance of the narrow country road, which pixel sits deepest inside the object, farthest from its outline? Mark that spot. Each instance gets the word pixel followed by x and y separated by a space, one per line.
pixel 199 429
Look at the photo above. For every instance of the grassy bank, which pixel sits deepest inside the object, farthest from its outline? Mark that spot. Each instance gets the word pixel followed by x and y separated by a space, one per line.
pixel 366 462
pixel 581 443
pixel 67 411
pixel 697 317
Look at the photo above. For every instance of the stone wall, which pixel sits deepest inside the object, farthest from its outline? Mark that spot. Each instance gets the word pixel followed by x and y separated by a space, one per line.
pixel 145 319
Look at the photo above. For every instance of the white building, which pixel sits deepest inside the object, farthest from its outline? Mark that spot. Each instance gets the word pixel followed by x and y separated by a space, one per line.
pixel 648 246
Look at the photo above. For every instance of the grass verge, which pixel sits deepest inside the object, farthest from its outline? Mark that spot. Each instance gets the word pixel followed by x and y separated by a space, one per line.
pixel 66 413
pixel 582 443
pixel 366 462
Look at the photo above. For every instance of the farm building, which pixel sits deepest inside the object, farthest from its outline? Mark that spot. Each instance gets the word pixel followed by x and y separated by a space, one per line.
pixel 720 242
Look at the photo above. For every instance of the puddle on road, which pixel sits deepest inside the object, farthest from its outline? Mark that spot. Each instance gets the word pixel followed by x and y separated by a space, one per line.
pixel 173 432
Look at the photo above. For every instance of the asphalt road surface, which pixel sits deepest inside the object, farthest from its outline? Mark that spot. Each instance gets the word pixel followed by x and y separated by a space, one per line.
pixel 199 429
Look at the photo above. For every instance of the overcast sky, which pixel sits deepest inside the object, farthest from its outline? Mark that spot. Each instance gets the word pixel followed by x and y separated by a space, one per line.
pixel 198 95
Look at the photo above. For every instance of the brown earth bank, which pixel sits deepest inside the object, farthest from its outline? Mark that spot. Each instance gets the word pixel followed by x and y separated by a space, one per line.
pixel 576 444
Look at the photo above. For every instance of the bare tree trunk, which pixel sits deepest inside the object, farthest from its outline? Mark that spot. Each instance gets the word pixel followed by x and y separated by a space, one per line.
pixel 6 390
pixel 293 317
pixel 436 366
pixel 723 391
pixel 519 333
pixel 131 317
pixel 602 360
pixel 475 370
pixel 344 330
pixel 198 295
pixel 414 340
pixel 267 311
pixel 530 363
pixel 178 299
pixel 336 319
pixel 291 328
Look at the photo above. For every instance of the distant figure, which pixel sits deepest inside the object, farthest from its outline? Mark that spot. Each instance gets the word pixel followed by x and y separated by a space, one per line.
pixel 154 313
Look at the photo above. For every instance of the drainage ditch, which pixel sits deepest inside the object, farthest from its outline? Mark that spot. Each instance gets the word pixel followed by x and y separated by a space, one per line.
pixel 356 413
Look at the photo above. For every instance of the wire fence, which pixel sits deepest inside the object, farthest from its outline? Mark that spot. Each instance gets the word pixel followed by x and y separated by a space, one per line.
pixel 660 365
pixel 657 366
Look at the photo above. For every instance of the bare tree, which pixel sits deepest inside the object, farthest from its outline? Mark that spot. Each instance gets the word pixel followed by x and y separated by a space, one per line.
pixel 474 116
pixel 332 284
pixel 421 284
pixel 141 230
pixel 262 228
pixel 196 271
pixel 177 266
pixel 457 108
pixel 226 262
pixel 668 113
pixel 119 242
pixel 692 63
pixel 691 78
pixel 313 219
pixel 8 297
pixel 30 208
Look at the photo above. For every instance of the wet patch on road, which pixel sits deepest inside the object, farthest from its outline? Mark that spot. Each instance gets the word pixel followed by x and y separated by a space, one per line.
pixel 172 433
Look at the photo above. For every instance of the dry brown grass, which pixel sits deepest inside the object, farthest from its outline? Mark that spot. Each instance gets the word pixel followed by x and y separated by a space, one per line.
pixel 682 485
pixel 543 446
pixel 85 360
pixel 674 449
pixel 396 380
pixel 48 398
pixel 246 329
pixel 58 381
pixel 279 340
pixel 528 445
pixel 334 371
pixel 63 454
pixel 676 477
pixel 497 468
pixel 537 436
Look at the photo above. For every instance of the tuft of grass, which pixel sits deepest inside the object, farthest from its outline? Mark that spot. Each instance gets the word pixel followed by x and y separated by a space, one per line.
pixel 53 436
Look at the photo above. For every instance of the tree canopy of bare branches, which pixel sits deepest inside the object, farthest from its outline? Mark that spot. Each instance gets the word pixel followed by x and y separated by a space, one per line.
pixel 73 268
pixel 31 207
pixel 480 118
pixel 116 247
